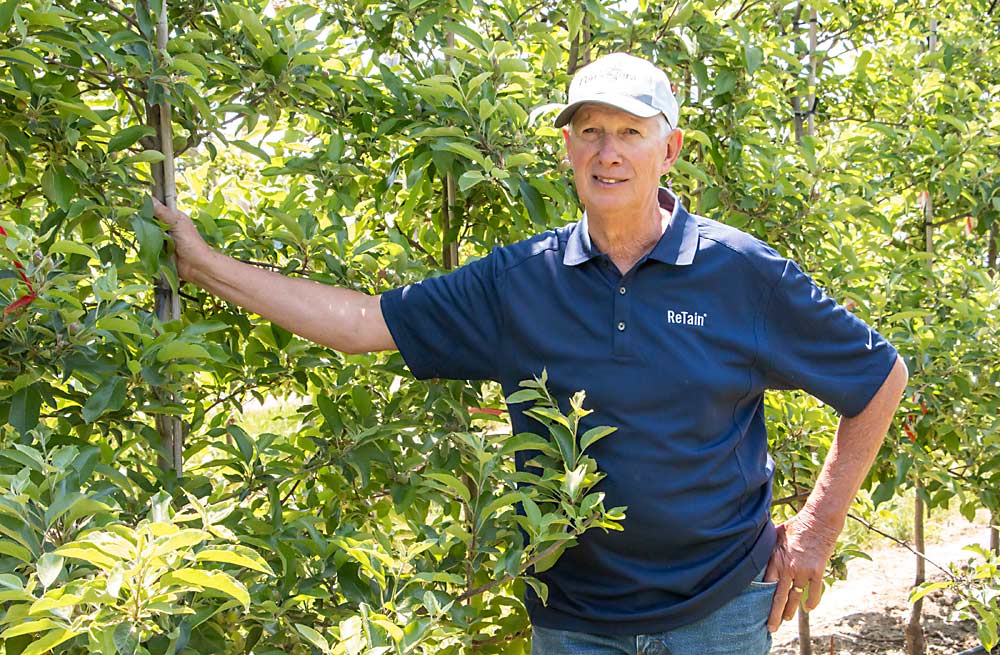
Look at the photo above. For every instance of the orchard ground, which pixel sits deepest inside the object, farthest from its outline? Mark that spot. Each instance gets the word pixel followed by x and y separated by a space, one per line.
pixel 866 613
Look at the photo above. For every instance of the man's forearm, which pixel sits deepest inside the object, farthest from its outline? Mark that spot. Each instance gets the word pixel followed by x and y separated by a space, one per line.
pixel 851 455
pixel 345 320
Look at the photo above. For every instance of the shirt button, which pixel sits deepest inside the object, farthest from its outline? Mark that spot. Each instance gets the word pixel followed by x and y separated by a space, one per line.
pixel 621 290
pixel 621 326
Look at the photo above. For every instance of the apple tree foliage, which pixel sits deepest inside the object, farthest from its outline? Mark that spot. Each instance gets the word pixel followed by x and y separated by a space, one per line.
pixel 364 144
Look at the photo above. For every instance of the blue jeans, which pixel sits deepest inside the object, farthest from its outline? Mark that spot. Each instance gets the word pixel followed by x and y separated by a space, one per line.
pixel 737 628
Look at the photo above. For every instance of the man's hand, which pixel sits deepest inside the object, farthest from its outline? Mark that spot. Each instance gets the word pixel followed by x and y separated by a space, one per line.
pixel 797 564
pixel 189 247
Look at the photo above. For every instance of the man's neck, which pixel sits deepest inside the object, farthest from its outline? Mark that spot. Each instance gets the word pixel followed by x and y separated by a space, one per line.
pixel 627 238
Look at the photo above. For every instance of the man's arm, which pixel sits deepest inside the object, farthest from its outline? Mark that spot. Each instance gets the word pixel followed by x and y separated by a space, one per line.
pixel 806 542
pixel 345 320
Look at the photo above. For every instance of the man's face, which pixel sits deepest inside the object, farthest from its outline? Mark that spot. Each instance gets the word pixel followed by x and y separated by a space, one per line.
pixel 618 158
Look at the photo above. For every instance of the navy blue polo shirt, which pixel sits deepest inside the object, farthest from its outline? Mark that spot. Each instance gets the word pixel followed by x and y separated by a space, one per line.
pixel 676 353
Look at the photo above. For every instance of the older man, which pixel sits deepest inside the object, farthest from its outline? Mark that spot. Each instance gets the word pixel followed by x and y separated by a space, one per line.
pixel 675 325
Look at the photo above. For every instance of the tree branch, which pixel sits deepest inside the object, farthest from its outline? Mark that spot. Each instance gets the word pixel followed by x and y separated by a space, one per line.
pixel 905 545
pixel 128 19
pixel 496 582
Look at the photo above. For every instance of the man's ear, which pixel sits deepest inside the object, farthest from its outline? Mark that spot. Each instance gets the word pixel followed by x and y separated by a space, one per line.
pixel 565 131
pixel 673 150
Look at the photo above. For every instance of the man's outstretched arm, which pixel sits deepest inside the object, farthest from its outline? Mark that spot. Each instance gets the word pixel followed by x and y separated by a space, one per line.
pixel 345 320
pixel 806 542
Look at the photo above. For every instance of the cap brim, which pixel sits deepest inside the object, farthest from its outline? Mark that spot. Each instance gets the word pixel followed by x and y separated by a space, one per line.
pixel 625 103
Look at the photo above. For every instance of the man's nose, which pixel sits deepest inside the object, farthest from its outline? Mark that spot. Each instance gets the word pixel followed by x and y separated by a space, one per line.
pixel 609 152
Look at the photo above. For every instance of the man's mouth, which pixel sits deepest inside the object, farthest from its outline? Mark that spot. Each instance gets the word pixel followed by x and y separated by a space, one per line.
pixel 607 180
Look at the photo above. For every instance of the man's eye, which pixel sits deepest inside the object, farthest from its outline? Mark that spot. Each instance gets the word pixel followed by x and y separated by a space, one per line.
pixel 632 131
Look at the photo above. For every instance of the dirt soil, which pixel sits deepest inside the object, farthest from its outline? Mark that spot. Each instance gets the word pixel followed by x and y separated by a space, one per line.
pixel 867 612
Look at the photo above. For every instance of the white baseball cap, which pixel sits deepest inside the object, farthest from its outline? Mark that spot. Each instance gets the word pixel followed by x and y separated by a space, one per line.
pixel 623 81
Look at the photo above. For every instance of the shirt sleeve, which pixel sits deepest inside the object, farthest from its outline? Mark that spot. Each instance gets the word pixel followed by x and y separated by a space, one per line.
pixel 814 344
pixel 449 326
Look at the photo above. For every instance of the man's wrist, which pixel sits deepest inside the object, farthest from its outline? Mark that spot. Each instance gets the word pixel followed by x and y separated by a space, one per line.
pixel 827 528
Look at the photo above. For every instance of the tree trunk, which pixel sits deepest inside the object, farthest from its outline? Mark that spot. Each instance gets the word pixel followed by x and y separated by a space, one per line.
pixel 992 262
pixel 449 246
pixel 168 306
pixel 914 629
pixel 797 115
pixel 994 533
pixel 813 61
pixel 805 634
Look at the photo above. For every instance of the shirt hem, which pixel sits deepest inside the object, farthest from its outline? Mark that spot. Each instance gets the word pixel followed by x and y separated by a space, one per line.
pixel 698 608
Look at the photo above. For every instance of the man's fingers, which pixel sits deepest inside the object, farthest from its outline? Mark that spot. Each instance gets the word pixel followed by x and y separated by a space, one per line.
pixel 781 594
pixel 793 601
pixel 814 594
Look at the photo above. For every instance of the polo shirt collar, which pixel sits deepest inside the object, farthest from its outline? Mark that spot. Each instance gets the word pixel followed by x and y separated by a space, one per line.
pixel 676 246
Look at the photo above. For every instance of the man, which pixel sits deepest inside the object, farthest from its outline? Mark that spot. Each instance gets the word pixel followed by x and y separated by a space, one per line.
pixel 675 325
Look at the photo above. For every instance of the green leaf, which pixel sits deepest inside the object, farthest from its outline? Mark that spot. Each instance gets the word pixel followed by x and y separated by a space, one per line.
pixel 528 441
pixel 725 82
pixel 987 631
pixel 119 324
pixel 179 541
pixel 539 587
pixel 550 414
pixel 60 506
pixel 274 64
pixel 16 551
pixel 523 396
pixel 88 553
pixel 23 56
pixel 49 641
pixel 129 136
pixel 362 399
pixel 754 57
pixel 25 407
pixel 926 588
pixel 313 637
pixel 146 157
pixel 506 500
pixel 533 202
pixel 126 639
pixel 243 442
pixel 452 483
pixel 67 247
pixel 519 159
pixel 59 188
pixel 593 435
pixel 150 238
pixel 238 555
pixel 252 149
pixel 80 109
pixel 469 179
pixel 216 580
pixel 10 581
pixel 178 349
pixel 48 568
pixel 29 627
pixel 109 397
pixel 532 513
pixel 466 150
pixel 7 14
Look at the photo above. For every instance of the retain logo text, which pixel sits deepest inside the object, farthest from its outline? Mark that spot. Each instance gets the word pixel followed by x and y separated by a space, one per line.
pixel 696 319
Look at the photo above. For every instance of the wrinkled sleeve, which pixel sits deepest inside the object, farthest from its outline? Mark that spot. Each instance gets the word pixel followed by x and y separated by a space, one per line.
pixel 449 326
pixel 814 344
